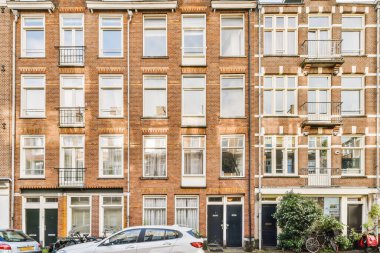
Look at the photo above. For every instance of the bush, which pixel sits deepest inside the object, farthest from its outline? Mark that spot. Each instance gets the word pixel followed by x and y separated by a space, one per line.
pixel 327 225
pixel 344 243
pixel 294 215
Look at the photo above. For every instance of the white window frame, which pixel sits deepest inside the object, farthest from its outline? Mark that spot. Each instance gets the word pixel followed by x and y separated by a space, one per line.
pixel 221 154
pixel 72 87
pixel 61 148
pixel 361 30
pixel 155 197
pixel 158 88
pixel 362 154
pixel 186 197
pixel 360 90
pixel 101 174
pixel 284 149
pixel 70 210
pixel 25 87
pixel 232 88
pixel 226 16
pixel 204 156
pixel 274 29
pixel 319 148
pixel 23 34
pixel 285 89
pixel 22 155
pixel 157 28
pixel 102 208
pixel 101 30
pixel 71 28
pixel 166 154
pixel 194 59
pixel 200 87
pixel 113 87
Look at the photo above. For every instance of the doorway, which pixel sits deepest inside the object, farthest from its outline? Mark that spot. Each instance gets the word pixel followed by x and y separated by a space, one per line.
pixel 51 226
pixel 32 220
pixel 269 225
pixel 354 217
pixel 215 224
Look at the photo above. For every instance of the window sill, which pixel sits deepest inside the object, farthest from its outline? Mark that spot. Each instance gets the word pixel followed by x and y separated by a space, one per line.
pixel 281 116
pixel 352 176
pixel 280 55
pixel 233 117
pixel 354 55
pixel 194 66
pixel 154 57
pixel 111 57
pixel 354 116
pixel 154 178
pixel 26 57
pixel 32 178
pixel 233 178
pixel 121 117
pixel 227 57
pixel 154 118
pixel 23 117
pixel 189 126
pixel 281 176
pixel 110 178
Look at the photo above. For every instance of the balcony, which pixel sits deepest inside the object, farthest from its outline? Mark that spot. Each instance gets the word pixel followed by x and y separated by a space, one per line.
pixel 71 116
pixel 320 177
pixel 71 177
pixel 71 56
pixel 322 53
pixel 322 114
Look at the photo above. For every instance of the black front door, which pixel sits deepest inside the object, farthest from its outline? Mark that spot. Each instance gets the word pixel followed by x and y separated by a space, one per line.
pixel 51 226
pixel 32 221
pixel 234 225
pixel 214 224
pixel 354 217
pixel 269 226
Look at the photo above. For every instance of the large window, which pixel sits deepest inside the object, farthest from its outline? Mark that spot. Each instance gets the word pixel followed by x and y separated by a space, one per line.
pixel 154 156
pixel 194 155
pixel 72 30
pixel 280 35
pixel 232 96
pixel 319 153
pixel 352 155
pixel 72 151
pixel 194 101
pixel 352 95
pixel 72 94
pixel 280 97
pixel 232 35
pixel 233 156
pixel 193 39
pixel 111 36
pixel 155 42
pixel 280 155
pixel 352 35
pixel 32 156
pixel 112 212
pixel 154 210
pixel 33 96
pixel 187 211
pixel 111 96
pixel 80 214
pixel 155 96
pixel 111 155
pixel 33 36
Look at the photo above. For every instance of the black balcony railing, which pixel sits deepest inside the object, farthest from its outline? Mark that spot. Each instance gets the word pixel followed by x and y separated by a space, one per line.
pixel 322 113
pixel 71 56
pixel 322 49
pixel 71 177
pixel 71 116
pixel 320 177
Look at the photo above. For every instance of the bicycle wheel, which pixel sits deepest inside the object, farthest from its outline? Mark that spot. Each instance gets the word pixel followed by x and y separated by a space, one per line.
pixel 312 245
pixel 333 245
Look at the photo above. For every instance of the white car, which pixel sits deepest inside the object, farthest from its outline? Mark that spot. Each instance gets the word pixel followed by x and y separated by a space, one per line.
pixel 14 241
pixel 144 239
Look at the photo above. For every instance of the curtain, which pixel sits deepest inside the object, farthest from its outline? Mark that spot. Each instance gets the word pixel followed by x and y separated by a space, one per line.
pixel 154 211
pixel 193 162
pixel 187 212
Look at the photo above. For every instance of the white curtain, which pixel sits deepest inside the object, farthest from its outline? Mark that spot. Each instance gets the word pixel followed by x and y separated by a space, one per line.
pixel 154 211
pixel 187 212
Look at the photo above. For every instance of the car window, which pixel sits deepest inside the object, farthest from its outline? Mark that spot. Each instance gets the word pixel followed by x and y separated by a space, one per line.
pixel 125 237
pixel 193 233
pixel 172 234
pixel 14 236
pixel 152 235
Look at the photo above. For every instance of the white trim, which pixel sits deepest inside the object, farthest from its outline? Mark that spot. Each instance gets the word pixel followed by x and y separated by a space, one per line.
pixel 101 175
pixel 155 197
pixel 76 28
pixel 69 209
pixel 33 28
pixel 166 154
pixel 158 88
pixel 31 5
pixel 317 190
pixel 22 156
pixel 114 28
pixel 228 76
pixel 233 4
pixel 226 16
pixel 166 32
pixel 119 5
pixel 118 87
pixel 175 208
pixel 362 34
pixel 102 207
pixel 199 87
pixel 221 154
pixel 24 87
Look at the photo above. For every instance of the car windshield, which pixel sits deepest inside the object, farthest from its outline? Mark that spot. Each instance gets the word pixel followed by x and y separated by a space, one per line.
pixel 14 236
pixel 194 233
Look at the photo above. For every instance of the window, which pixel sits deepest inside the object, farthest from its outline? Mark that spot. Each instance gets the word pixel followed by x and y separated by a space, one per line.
pixel 72 30
pixel 154 156
pixel 32 156
pixel 72 94
pixel 319 43
pixel 194 155
pixel 155 96
pixel 111 96
pixel 152 235
pixel 233 156
pixel 193 39
pixel 111 155
pixel 280 97
pixel 155 42
pixel 280 155
pixel 80 218
pixel 33 36
pixel 154 210
pixel 319 153
pixel 125 237
pixel 232 35
pixel 194 100
pixel 352 95
pixel 280 35
pixel 352 155
pixel 112 212
pixel 329 205
pixel 33 96
pixel 232 96
pixel 72 152
pixel 187 211
pixel 353 35
pixel 111 36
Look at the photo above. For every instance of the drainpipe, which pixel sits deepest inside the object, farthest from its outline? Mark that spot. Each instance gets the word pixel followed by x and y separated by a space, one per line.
pixel 130 15
pixel 16 15
pixel 377 101
pixel 249 132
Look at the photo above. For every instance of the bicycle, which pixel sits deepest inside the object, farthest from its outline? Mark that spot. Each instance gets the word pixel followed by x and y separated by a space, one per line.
pixel 319 241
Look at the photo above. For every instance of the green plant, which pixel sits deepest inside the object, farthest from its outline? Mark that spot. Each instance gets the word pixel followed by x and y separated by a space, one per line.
pixel 373 217
pixel 294 215
pixel 344 243
pixel 327 225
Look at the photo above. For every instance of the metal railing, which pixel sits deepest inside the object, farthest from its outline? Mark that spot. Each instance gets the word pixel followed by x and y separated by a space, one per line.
pixel 319 112
pixel 71 55
pixel 71 177
pixel 320 177
pixel 71 116
pixel 322 49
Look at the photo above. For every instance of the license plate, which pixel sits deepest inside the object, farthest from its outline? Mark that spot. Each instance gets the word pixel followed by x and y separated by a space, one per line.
pixel 23 249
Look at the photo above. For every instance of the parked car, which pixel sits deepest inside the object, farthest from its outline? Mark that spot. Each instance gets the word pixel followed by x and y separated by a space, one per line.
pixel 144 239
pixel 15 241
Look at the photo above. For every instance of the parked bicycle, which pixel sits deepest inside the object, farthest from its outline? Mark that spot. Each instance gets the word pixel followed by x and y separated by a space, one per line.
pixel 316 242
